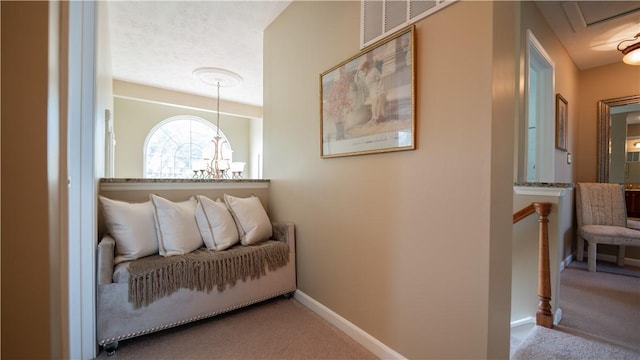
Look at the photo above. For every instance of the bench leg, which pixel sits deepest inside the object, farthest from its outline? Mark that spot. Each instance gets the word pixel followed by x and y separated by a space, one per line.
pixel 621 255
pixel 580 251
pixel 111 348
pixel 591 257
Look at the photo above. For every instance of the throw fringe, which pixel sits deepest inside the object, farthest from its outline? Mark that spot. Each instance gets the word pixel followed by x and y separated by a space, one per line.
pixel 155 277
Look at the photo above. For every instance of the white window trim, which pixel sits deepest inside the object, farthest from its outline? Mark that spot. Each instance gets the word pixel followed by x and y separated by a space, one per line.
pixel 176 118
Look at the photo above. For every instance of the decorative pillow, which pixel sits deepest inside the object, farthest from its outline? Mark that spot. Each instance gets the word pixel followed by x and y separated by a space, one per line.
pixel 216 224
pixel 251 219
pixel 132 227
pixel 176 226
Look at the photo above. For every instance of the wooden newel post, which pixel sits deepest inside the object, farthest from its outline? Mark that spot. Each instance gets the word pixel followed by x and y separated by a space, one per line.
pixel 544 317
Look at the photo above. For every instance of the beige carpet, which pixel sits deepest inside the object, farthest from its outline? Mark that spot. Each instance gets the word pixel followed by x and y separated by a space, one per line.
pixel 277 329
pixel 553 344
pixel 603 305
pixel 600 319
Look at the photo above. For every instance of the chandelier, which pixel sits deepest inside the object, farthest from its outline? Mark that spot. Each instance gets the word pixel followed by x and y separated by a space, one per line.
pixel 218 167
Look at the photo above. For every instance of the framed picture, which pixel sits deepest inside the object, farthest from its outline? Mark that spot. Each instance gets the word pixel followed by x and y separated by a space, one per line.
pixel 561 122
pixel 367 102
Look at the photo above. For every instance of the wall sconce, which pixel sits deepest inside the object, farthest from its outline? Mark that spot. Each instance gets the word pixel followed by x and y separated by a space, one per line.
pixel 631 52
pixel 636 145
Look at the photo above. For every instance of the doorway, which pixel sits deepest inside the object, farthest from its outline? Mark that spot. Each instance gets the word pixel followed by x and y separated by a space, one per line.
pixel 540 135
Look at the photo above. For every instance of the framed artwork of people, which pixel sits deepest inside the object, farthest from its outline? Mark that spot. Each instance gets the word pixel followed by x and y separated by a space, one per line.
pixel 367 101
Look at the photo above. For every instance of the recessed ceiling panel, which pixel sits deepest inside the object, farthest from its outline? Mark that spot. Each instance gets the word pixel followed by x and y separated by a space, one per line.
pixel 590 30
pixel 595 12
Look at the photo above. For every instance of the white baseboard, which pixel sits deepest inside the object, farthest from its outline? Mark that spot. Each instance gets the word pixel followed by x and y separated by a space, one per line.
pixel 613 259
pixel 632 262
pixel 523 321
pixel 557 316
pixel 369 342
pixel 564 263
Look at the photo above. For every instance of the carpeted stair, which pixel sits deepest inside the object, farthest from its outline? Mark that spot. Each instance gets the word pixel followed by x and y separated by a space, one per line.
pixel 543 343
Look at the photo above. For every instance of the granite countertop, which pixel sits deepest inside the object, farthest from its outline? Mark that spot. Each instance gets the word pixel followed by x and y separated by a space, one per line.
pixel 178 181
pixel 545 185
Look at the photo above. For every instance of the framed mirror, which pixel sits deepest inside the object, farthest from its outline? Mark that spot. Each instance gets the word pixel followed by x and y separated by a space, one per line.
pixel 604 135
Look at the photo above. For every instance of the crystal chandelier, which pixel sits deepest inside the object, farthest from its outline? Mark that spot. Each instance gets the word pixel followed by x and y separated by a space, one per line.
pixel 218 167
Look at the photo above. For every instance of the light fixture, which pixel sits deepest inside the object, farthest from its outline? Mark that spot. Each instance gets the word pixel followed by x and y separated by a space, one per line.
pixel 636 145
pixel 631 52
pixel 218 167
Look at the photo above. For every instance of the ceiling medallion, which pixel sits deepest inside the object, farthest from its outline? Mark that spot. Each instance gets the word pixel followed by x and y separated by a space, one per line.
pixel 215 76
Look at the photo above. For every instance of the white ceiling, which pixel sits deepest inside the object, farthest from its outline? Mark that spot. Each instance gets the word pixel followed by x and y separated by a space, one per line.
pixel 160 43
pixel 591 30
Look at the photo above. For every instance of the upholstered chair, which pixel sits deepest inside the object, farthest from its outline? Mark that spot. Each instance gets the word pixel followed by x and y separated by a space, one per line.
pixel 602 219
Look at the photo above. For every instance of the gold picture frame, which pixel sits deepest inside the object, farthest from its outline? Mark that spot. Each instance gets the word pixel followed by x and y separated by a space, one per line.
pixel 367 101
pixel 562 118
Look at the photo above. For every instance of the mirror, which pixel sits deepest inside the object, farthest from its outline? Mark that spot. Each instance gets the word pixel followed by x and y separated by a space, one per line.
pixel 604 135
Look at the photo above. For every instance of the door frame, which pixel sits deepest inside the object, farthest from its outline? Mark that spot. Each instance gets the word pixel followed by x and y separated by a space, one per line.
pixel 538 59
pixel 82 181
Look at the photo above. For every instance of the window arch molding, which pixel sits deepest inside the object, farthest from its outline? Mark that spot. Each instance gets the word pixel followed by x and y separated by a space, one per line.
pixel 178 146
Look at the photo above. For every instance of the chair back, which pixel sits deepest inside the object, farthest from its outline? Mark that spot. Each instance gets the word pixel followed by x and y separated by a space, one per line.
pixel 600 204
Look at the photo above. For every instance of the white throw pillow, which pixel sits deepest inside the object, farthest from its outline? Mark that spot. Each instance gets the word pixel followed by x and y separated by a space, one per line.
pixel 217 227
pixel 132 227
pixel 176 226
pixel 251 219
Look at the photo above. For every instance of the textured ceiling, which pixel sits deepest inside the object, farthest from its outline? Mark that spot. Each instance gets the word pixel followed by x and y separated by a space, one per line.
pixel 160 43
pixel 591 30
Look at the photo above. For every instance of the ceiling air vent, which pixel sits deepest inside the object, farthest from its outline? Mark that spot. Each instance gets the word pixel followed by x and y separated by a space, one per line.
pixel 380 18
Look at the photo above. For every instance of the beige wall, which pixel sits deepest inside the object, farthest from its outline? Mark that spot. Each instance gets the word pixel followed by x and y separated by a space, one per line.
pixel 604 82
pixel 400 243
pixel 26 312
pixel 525 234
pixel 177 98
pixel 505 102
pixel 566 84
pixel 104 86
pixel 134 119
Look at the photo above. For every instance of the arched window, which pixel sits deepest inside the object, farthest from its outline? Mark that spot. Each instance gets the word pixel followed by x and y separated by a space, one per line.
pixel 180 146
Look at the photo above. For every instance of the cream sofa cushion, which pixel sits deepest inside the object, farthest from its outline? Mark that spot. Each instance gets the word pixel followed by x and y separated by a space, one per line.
pixel 176 226
pixel 132 227
pixel 251 219
pixel 217 227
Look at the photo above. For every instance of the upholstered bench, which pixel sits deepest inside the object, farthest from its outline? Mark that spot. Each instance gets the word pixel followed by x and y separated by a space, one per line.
pixel 142 289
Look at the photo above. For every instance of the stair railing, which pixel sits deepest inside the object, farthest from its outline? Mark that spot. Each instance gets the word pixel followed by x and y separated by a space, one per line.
pixel 544 316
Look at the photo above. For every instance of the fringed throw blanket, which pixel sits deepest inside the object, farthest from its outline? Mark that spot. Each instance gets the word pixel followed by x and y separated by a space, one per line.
pixel 154 277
